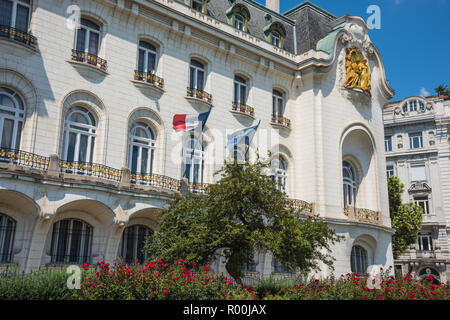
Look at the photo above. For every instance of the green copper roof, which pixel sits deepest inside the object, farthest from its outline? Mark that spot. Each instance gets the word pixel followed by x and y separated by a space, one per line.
pixel 327 44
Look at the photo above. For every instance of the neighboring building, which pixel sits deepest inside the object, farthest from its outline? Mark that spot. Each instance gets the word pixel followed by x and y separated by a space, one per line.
pixel 417 149
pixel 87 148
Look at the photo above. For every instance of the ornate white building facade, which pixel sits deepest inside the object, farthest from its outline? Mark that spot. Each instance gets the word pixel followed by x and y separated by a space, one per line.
pixel 417 149
pixel 88 155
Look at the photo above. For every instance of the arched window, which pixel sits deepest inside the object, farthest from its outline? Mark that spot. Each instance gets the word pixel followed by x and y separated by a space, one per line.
pixel 358 260
pixel 88 37
pixel 142 146
pixel 15 14
pixel 79 135
pixel 193 160
pixel 71 242
pixel 239 22
pixel 276 39
pixel 275 33
pixel 12 113
pixel 199 5
pixel 133 241
pixel 349 184
pixel 240 90
pixel 197 75
pixel 7 230
pixel 147 58
pixel 279 173
pixel 277 103
pixel 238 16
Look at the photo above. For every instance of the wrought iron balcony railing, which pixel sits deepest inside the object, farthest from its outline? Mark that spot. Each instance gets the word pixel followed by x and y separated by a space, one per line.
pixel 363 215
pixel 88 58
pixel 306 207
pixel 23 158
pixel 282 121
pixel 90 169
pixel 17 35
pixel 151 79
pixel 242 108
pixel 156 180
pixel 199 94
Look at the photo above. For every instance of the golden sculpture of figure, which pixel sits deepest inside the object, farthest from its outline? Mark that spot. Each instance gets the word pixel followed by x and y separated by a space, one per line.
pixel 357 69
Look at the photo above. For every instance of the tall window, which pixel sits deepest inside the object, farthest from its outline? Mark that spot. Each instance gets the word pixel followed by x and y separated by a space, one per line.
pixel 425 241
pixel 12 113
pixel 389 171
pixel 142 146
pixel 7 230
pixel 197 75
pixel 277 103
pixel 88 37
pixel 349 184
pixel 280 173
pixel 193 155
pixel 71 242
pixel 413 105
pixel 133 241
pixel 358 260
pixel 405 107
pixel 423 202
pixel 251 267
pixel 415 140
pixel 387 144
pixel 279 267
pixel 276 39
pixel 239 22
pixel 79 135
pixel 15 14
pixel 422 106
pixel 240 90
pixel 147 58
pixel 418 172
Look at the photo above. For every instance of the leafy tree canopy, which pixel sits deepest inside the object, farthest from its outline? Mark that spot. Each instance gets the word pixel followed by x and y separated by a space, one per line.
pixel 242 213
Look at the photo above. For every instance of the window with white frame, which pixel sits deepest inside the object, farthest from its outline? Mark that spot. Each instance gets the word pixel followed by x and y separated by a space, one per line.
pixel 71 242
pixel 88 37
pixel 197 5
pixel 197 75
pixel 79 135
pixel 418 172
pixel 240 90
pixel 425 241
pixel 413 105
pixel 405 107
pixel 7 231
pixel 423 202
pixel 276 39
pixel 415 140
pixel 388 144
pixel 15 14
pixel 349 184
pixel 358 260
pixel 12 114
pixel 389 171
pixel 279 173
pixel 142 146
pixel 193 159
pixel 277 103
pixel 421 106
pixel 239 22
pixel 133 242
pixel 147 58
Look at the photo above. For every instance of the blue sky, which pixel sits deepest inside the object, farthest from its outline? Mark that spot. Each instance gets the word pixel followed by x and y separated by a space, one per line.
pixel 414 40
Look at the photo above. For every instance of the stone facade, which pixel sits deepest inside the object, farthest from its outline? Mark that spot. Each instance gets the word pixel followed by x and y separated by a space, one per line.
pixel 327 123
pixel 417 137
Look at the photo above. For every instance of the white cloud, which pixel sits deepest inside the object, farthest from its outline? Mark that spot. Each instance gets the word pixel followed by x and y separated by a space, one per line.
pixel 424 92
pixel 397 2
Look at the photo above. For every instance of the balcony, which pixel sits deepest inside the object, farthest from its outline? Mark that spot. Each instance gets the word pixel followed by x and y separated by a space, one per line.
pixel 90 169
pixel 425 254
pixel 156 180
pixel 281 122
pixel 17 36
pixel 148 81
pixel 92 62
pixel 242 109
pixel 199 97
pixel 305 207
pixel 23 159
pixel 363 215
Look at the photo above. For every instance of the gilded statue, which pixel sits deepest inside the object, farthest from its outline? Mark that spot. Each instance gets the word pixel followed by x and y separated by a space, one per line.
pixel 357 68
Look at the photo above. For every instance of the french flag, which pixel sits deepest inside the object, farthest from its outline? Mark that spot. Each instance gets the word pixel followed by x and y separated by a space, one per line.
pixel 184 122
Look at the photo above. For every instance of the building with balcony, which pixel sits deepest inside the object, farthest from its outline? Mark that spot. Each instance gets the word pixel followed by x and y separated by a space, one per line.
pixel 88 91
pixel 417 147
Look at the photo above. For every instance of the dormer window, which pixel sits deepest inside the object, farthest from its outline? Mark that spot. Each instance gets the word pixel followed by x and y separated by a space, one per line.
pixel 239 22
pixel 276 39
pixel 421 106
pixel 275 34
pixel 413 105
pixel 198 5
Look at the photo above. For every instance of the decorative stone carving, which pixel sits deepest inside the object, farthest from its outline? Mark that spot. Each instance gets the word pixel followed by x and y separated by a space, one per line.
pixel 357 70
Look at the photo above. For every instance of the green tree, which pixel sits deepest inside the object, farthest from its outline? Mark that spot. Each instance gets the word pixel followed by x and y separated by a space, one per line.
pixel 406 218
pixel 242 213
pixel 441 89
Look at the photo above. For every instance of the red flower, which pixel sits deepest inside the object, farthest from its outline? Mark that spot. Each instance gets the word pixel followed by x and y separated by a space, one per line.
pixel 165 292
pixel 206 268
pixel 387 289
pixel 175 278
pixel 434 292
pixel 380 297
pixel 86 266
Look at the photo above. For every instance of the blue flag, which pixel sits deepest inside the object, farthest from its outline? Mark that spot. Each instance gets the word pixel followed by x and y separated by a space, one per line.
pixel 243 136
